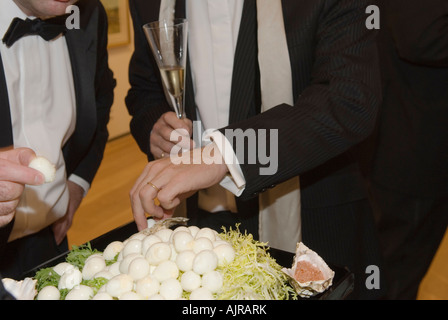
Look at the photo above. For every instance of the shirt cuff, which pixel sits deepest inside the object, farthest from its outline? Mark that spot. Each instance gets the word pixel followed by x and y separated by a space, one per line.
pixel 81 182
pixel 234 181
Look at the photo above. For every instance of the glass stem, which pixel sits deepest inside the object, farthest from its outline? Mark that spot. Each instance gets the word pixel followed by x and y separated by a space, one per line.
pixel 179 106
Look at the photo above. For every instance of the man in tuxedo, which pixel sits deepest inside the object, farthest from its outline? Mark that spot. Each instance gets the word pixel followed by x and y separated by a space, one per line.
pixel 56 91
pixel 409 173
pixel 336 93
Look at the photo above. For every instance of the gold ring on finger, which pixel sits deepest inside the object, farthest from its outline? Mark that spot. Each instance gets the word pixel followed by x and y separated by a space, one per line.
pixel 154 186
pixel 156 200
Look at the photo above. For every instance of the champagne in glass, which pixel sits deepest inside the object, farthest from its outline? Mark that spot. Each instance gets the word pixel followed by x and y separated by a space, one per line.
pixel 173 78
pixel 168 42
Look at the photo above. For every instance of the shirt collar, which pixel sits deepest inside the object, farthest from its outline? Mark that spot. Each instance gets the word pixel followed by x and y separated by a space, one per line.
pixel 9 11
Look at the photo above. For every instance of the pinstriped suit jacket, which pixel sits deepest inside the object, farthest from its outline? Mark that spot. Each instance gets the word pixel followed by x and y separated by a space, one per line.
pixel 336 89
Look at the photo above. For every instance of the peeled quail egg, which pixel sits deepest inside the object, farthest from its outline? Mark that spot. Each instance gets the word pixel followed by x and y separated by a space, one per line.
pixel 164 234
pixel 138 268
pixel 205 261
pixel 92 266
pixel 212 281
pixel 130 295
pixel 170 289
pixel 206 233
pixel 119 284
pixel 158 253
pixel 190 281
pixel 180 228
pixel 114 268
pixel 124 264
pixel 201 294
pixel 60 268
pixel 70 279
pixel 184 260
pixel 80 292
pixel 193 230
pixel 225 253
pixel 147 286
pixel 166 270
pixel 202 243
pixel 104 274
pixel 49 293
pixel 132 246
pixel 182 240
pixel 102 296
pixel 148 242
pixel 112 250
pixel 44 166
pixel 138 235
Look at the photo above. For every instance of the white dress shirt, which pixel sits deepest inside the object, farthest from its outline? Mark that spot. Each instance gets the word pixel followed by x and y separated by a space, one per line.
pixel 43 114
pixel 211 50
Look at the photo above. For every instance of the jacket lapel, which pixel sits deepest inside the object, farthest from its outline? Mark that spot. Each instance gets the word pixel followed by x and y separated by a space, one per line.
pixel 82 50
pixel 6 138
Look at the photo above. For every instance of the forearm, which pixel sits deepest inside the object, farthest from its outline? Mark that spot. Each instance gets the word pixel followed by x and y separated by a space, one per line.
pixel 334 112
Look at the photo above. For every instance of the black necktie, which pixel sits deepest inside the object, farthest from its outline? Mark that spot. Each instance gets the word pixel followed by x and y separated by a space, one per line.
pixel 48 29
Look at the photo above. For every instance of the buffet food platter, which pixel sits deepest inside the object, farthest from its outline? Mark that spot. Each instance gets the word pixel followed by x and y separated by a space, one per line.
pixel 337 285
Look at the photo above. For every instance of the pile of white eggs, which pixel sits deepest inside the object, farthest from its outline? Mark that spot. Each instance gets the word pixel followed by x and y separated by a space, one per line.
pixel 163 265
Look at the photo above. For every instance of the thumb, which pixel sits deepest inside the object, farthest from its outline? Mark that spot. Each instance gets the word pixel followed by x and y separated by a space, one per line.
pixel 14 167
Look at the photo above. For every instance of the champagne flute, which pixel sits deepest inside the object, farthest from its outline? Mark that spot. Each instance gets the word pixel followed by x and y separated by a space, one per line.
pixel 168 42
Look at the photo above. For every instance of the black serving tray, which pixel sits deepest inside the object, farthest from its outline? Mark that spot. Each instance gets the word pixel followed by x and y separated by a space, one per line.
pixel 342 286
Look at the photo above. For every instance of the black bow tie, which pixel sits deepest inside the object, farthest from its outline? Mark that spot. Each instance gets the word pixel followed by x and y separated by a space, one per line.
pixel 48 29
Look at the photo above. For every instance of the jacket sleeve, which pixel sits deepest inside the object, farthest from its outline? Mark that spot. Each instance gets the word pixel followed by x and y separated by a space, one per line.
pixel 146 100
pixel 104 93
pixel 333 113
pixel 419 30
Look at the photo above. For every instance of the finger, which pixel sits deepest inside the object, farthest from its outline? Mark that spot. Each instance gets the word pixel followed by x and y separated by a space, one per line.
pixel 137 194
pixel 21 156
pixel 167 134
pixel 158 146
pixel 11 171
pixel 166 215
pixel 149 172
pixel 136 206
pixel 141 177
pixel 8 208
pixel 138 211
pixel 189 125
pixel 148 196
pixel 174 122
pixel 5 219
pixel 167 198
pixel 10 190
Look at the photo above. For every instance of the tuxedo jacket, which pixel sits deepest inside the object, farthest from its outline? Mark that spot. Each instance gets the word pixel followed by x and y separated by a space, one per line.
pixel 94 85
pixel 336 88
pixel 412 137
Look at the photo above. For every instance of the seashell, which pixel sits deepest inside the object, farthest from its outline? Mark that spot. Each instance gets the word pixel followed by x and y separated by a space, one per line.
pixel 309 274
pixel 21 290
pixel 154 226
